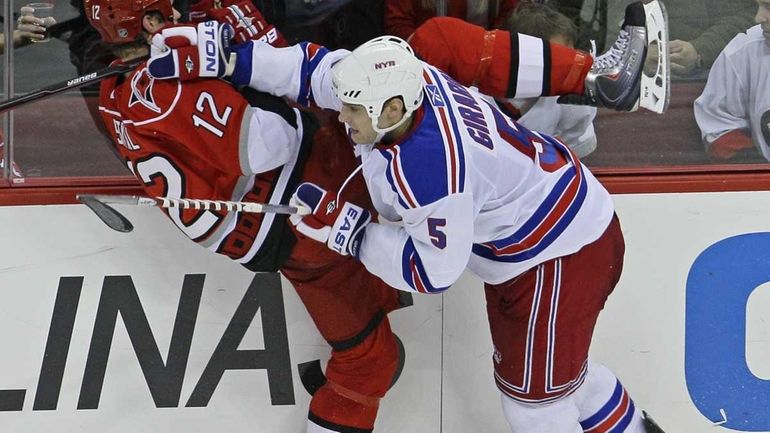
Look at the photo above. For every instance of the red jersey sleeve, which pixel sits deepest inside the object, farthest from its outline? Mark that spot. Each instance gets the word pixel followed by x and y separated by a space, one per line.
pixel 468 53
pixel 493 60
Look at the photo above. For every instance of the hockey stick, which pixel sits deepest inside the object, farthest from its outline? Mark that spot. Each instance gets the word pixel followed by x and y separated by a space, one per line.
pixel 72 83
pixel 100 205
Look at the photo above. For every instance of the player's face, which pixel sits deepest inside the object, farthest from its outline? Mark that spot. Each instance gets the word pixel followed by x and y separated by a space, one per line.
pixel 763 18
pixel 359 122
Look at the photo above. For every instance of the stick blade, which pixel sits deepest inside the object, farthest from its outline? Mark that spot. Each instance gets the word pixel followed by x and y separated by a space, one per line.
pixel 107 214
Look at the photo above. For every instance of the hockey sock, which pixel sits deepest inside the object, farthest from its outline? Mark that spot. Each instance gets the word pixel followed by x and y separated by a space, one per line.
pixel 558 416
pixel 605 405
pixel 357 378
pixel 568 70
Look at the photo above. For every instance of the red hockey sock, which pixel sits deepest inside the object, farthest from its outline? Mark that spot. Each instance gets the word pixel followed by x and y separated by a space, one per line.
pixel 357 378
pixel 569 68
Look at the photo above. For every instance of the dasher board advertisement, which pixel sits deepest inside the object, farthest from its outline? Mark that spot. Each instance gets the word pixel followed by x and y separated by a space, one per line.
pixel 145 331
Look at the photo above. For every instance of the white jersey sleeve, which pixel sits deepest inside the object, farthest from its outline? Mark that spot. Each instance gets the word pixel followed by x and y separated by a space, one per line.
pixel 269 138
pixel 430 252
pixel 301 73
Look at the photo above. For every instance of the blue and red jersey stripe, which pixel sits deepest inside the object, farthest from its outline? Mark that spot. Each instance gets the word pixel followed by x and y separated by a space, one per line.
pixel 413 271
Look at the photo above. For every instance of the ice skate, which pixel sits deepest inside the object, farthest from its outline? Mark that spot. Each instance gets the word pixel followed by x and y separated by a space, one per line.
pixel 650 426
pixel 634 72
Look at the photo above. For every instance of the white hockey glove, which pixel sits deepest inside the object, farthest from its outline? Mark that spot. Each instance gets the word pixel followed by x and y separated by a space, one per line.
pixel 188 52
pixel 341 226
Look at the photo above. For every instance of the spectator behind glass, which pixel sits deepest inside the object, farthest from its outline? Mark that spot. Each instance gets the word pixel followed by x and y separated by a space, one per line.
pixel 573 124
pixel 699 30
pixel 402 17
pixel 733 112
pixel 28 28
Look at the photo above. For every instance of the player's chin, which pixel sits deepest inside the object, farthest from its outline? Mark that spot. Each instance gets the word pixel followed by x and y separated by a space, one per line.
pixel 358 137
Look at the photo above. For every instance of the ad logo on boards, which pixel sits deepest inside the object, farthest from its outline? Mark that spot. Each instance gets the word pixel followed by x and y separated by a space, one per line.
pixel 164 380
pixel 719 379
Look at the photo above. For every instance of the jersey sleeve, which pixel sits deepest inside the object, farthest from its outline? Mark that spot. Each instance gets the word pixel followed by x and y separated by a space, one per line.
pixel 270 135
pixel 301 73
pixel 721 111
pixel 500 63
pixel 429 253
pixel 426 185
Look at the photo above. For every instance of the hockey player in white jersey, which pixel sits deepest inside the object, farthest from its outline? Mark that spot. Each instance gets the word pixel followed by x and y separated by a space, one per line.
pixel 733 112
pixel 473 190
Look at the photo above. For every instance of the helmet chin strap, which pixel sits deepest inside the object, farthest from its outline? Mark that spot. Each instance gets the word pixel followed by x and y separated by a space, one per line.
pixel 382 131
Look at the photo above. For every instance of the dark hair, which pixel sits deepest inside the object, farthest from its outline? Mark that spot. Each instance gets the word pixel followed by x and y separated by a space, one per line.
pixel 540 20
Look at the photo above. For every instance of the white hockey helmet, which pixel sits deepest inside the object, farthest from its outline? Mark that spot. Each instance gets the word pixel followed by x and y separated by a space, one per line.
pixel 376 71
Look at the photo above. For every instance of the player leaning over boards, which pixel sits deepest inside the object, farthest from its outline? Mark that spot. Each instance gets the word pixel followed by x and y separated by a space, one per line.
pixel 473 189
pixel 206 140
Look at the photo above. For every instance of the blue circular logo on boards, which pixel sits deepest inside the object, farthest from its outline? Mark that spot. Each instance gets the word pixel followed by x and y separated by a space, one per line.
pixel 718 376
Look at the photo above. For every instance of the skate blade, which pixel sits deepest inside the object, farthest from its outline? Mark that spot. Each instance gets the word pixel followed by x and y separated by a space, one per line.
pixel 656 79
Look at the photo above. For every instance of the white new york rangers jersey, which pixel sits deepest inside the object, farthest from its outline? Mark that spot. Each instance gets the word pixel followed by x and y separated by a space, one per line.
pixel 472 188
pixel 737 94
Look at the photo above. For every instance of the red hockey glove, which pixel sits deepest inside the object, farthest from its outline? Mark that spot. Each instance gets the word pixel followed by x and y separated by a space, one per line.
pixel 249 24
pixel 188 52
pixel 199 10
pixel 341 226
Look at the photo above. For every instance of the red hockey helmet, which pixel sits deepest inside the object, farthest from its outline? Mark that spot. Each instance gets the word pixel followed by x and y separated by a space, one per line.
pixel 120 21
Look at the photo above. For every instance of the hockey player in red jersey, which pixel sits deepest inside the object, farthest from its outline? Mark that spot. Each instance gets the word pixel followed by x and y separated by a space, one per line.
pixel 473 190
pixel 205 140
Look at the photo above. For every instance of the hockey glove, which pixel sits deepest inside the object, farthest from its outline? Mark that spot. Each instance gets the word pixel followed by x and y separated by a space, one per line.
pixel 249 24
pixel 341 226
pixel 188 52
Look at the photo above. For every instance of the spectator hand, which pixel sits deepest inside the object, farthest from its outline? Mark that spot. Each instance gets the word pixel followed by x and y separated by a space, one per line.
pixel 29 27
pixel 341 226
pixel 684 57
pixel 249 24
pixel 188 52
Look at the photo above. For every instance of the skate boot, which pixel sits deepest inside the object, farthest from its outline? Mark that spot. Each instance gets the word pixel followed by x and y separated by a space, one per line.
pixel 649 424
pixel 624 77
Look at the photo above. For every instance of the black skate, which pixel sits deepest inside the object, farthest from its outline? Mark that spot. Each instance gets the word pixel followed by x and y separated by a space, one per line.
pixel 650 426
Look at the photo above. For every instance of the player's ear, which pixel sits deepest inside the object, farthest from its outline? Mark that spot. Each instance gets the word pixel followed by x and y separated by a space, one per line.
pixel 395 109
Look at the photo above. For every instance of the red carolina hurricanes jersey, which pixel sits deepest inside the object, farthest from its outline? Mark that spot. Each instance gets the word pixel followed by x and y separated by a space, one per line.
pixel 205 140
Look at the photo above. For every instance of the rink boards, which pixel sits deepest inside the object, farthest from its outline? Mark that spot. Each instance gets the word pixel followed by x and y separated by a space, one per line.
pixel 91 339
